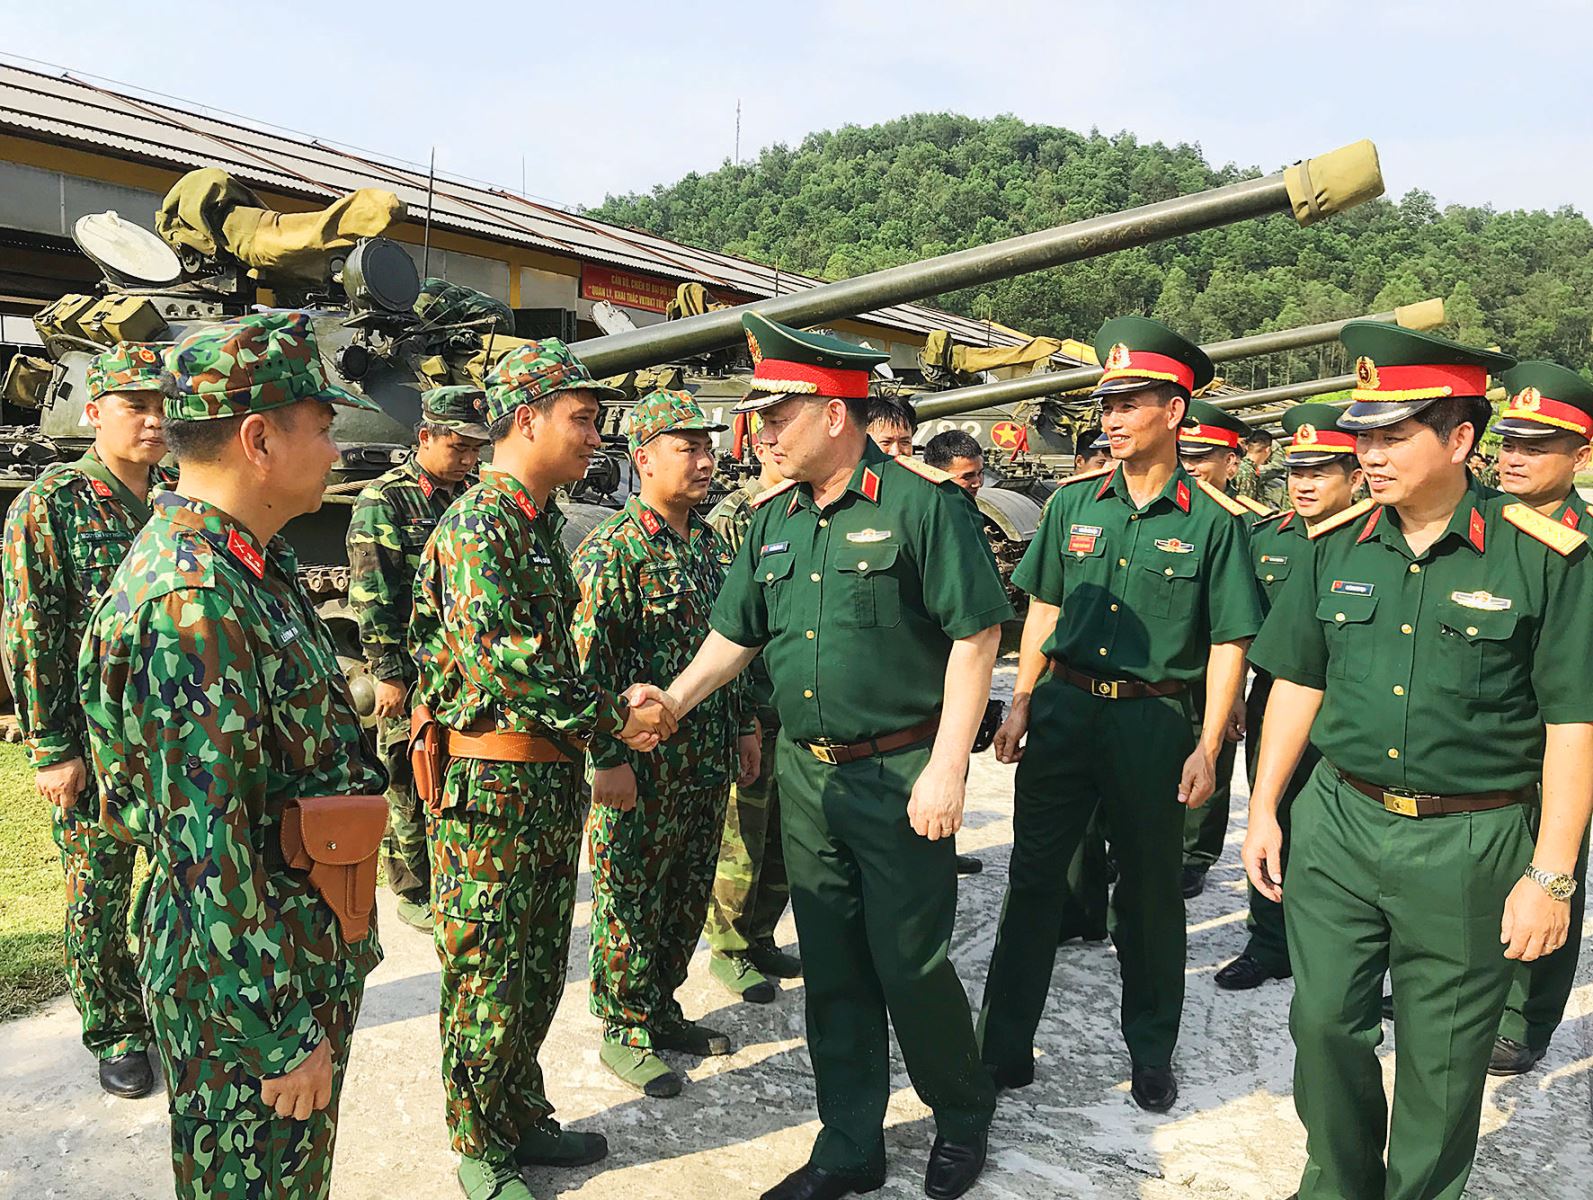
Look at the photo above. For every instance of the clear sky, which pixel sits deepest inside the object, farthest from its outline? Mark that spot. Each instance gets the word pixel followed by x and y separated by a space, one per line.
pixel 1476 101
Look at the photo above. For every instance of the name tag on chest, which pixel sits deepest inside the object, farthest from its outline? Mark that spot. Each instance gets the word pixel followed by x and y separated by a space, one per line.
pixel 1083 538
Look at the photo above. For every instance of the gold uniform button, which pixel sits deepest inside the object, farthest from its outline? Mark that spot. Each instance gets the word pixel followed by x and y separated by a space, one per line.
pixel 1393 753
pixel 823 521
pixel 1122 562
pixel 1415 568
pixel 1133 516
pixel 1270 578
pixel 1167 571
pixel 810 635
pixel 862 566
pixel 1114 608
pixel 1405 629
pixel 1103 651
pixel 807 694
pixel 768 577
pixel 814 577
pixel 1471 631
pixel 1338 616
pixel 1398 690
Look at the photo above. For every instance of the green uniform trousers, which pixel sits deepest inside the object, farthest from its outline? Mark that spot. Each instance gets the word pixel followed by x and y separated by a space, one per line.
pixel 1540 990
pixel 1140 749
pixel 99 961
pixel 1206 827
pixel 404 853
pixel 875 904
pixel 504 855
pixel 226 1144
pixel 750 891
pixel 1089 875
pixel 1371 892
pixel 652 870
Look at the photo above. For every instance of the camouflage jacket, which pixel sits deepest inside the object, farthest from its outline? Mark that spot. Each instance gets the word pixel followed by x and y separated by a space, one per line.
pixel 214 697
pixel 64 538
pixel 494 600
pixel 730 519
pixel 646 593
pixel 1266 485
pixel 392 519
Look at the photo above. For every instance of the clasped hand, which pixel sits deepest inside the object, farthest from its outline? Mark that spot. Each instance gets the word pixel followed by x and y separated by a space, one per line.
pixel 651 717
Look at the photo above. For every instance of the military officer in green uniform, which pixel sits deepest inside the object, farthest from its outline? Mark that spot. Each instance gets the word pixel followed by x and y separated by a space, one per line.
pixel 1140 587
pixel 751 890
pixel 1544 430
pixel 393 517
pixel 491 634
pixel 1434 651
pixel 1209 449
pixel 1323 479
pixel 64 538
pixel 648 577
pixel 216 708
pixel 859 558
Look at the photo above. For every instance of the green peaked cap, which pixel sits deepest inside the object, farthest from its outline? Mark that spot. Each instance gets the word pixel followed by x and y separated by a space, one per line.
pixel 1202 417
pixel 1538 390
pixel 1399 372
pixel 795 362
pixel 1137 352
pixel 1320 421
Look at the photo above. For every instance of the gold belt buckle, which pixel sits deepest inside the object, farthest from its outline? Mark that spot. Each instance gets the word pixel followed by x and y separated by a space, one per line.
pixel 1405 806
pixel 1106 688
pixel 822 752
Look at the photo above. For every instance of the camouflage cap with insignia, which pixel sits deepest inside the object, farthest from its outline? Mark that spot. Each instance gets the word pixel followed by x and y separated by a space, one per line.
pixel 1137 352
pixel 249 365
pixel 665 411
pixel 1400 372
pixel 126 367
pixel 1207 428
pixel 1545 399
pixel 458 408
pixel 1314 436
pixel 795 362
pixel 535 371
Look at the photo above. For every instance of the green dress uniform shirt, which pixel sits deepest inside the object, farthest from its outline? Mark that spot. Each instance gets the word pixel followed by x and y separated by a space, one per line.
pixel 857 604
pixel 1440 669
pixel 1144 592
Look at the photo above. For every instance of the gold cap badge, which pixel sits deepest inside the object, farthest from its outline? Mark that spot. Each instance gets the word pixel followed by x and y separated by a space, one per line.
pixel 1117 357
pixel 1366 372
pixel 1527 400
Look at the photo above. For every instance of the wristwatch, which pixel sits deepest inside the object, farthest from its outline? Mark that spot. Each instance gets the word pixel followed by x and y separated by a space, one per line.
pixel 1559 887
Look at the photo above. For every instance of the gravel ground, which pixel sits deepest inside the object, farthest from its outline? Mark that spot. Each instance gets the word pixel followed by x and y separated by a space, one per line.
pixel 746 1120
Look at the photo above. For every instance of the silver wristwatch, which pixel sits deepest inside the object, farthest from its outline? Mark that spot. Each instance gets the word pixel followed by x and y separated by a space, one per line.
pixel 1559 887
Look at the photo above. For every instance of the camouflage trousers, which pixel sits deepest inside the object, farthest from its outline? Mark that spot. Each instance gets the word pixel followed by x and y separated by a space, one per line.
pixel 652 870
pixel 225 1143
pixel 99 961
pixel 503 865
pixel 750 891
pixel 404 853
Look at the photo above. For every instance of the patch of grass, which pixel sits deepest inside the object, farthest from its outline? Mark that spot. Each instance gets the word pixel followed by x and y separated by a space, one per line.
pixel 32 894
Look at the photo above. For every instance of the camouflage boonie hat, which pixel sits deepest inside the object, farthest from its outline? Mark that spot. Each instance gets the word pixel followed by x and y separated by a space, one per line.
pixel 457 408
pixel 537 370
pixel 666 412
pixel 249 365
pixel 126 367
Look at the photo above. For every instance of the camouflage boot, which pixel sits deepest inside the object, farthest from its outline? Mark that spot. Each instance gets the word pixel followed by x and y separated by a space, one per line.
pixel 641 1069
pixel 738 976
pixel 491 1179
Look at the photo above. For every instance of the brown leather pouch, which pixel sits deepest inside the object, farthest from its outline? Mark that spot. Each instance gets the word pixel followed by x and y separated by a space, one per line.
pixel 334 839
pixel 426 758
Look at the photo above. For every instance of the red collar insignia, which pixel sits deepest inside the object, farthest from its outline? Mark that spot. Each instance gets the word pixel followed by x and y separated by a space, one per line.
pixel 1569 520
pixel 526 506
pixel 241 549
pixel 1284 524
pixel 791 508
pixel 871 484
pixel 1476 530
pixel 101 488
pixel 1107 482
pixel 426 485
pixel 1182 495
pixel 650 522
pixel 1371 524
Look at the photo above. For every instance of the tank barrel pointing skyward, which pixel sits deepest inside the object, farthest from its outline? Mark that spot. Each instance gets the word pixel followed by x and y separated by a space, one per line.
pixel 1309 190
pixel 1428 314
pixel 1262 397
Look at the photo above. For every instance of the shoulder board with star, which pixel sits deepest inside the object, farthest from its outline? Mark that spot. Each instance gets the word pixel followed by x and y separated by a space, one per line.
pixel 778 489
pixel 1233 506
pixel 933 474
pixel 1544 529
pixel 1255 506
pixel 1095 474
pixel 1340 519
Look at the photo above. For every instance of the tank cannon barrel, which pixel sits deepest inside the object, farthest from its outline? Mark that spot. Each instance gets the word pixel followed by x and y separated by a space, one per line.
pixel 1426 315
pixel 1309 190
pixel 1262 397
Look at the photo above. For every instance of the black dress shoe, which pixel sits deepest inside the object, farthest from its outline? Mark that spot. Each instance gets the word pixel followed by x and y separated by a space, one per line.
pixel 1245 972
pixel 813 1183
pixel 953 1167
pixel 1154 1088
pixel 1193 882
pixel 968 865
pixel 1510 1057
pixel 127 1075
pixel 1007 1078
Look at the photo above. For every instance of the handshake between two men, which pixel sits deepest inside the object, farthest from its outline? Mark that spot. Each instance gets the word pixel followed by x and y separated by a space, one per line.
pixel 652 716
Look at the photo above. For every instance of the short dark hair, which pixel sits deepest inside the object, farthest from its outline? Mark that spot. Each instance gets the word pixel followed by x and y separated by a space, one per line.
pixel 199 441
pixel 888 410
pixel 432 428
pixel 945 448
pixel 1445 416
pixel 1256 436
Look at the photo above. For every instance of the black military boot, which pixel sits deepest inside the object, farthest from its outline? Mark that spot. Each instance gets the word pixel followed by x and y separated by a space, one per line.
pixel 127 1075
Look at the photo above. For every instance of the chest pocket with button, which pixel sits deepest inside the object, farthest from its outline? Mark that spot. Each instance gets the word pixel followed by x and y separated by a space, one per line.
pixel 1477 655
pixel 1347 626
pixel 412 535
pixel 1165 585
pixel 96 556
pixel 1271 572
pixel 869 594
pixel 667 594
pixel 774 576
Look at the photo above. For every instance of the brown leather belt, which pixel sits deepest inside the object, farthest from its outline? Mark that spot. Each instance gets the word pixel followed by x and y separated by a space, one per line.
pixel 835 753
pixel 1425 804
pixel 496 745
pixel 1115 689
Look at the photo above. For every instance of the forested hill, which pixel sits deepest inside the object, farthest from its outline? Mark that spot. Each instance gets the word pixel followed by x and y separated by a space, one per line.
pixel 857 199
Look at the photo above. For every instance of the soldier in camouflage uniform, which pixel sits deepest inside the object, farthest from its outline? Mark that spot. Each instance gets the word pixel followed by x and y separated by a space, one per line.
pixel 751 889
pixel 490 632
pixel 392 519
pixel 1261 475
pixel 215 702
pixel 64 538
pixel 648 577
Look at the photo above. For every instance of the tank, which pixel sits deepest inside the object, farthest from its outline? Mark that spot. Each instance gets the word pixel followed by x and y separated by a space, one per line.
pixel 1261 398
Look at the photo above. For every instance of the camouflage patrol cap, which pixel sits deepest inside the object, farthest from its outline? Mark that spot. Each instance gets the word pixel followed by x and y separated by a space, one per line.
pixel 535 371
pixel 457 408
pixel 664 411
pixel 250 365
pixel 126 367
